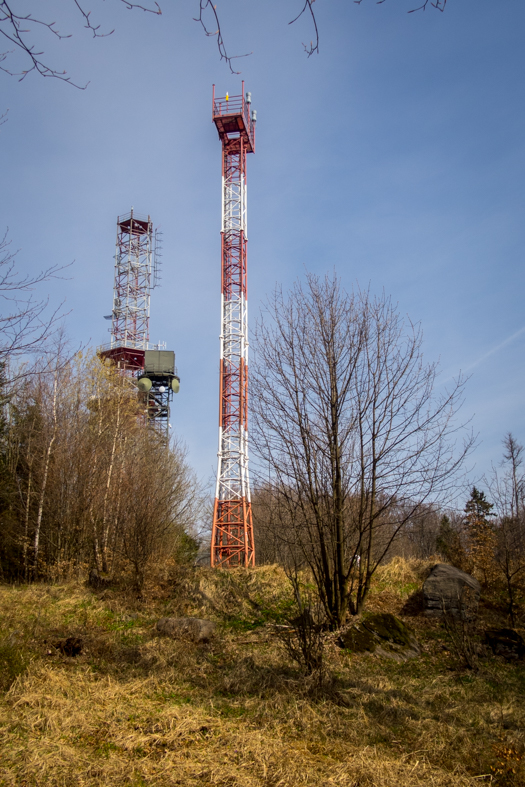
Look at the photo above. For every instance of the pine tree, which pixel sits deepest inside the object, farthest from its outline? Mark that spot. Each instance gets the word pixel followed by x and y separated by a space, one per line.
pixel 481 535
pixel 448 543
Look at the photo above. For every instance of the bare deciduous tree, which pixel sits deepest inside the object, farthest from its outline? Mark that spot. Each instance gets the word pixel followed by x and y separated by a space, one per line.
pixel 420 534
pixel 507 488
pixel 163 499
pixel 353 440
pixel 25 323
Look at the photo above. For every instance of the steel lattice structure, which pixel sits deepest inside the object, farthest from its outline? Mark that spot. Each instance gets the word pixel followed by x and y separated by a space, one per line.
pixel 232 532
pixel 134 261
pixel 158 382
pixel 136 273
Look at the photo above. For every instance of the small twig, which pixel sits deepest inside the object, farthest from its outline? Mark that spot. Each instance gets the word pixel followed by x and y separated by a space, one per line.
pixel 88 25
pixel 131 6
pixel 437 4
pixel 314 47
pixel 203 5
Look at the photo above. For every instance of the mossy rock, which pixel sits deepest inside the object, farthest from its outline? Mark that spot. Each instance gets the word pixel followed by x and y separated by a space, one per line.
pixel 383 634
pixel 358 639
pixel 388 627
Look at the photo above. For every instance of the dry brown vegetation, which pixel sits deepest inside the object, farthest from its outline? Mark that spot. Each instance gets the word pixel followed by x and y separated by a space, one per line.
pixel 136 709
pixel 82 483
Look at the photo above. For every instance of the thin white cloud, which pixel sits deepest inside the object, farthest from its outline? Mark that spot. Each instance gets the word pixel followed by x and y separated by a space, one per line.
pixel 493 351
pixel 496 349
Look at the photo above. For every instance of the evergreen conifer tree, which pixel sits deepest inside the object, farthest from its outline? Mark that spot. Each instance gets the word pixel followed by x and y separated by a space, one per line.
pixel 481 535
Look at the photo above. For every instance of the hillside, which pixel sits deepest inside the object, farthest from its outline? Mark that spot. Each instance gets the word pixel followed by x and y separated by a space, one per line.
pixel 136 709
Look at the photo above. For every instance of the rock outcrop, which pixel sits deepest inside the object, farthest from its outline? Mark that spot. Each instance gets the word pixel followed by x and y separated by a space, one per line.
pixel 447 590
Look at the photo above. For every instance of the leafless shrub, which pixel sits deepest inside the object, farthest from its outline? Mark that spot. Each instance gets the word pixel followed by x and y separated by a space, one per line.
pixel 460 630
pixel 304 638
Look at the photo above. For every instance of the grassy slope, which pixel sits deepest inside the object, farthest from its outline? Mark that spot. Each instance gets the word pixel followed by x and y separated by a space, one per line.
pixel 134 709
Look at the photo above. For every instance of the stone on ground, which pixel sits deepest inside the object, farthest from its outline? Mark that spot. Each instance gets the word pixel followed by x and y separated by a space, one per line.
pixel 192 629
pixel 382 634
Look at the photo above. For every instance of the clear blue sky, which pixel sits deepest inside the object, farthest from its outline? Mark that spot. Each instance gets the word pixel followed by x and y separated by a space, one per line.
pixel 395 156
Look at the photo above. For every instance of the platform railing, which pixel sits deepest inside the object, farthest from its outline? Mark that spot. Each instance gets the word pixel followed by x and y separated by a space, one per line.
pixel 235 105
pixel 129 345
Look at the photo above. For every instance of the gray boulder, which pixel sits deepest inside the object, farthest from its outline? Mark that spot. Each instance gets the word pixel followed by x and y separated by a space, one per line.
pixel 447 590
pixel 192 629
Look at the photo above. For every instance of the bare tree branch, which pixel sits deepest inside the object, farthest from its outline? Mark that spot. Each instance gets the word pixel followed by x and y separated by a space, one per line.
pixel 25 323
pixel 205 5
pixel 438 4
pixel 16 27
pixel 314 45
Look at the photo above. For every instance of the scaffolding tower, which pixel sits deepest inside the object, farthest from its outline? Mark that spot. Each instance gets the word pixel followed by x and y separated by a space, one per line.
pixel 136 274
pixel 135 264
pixel 232 530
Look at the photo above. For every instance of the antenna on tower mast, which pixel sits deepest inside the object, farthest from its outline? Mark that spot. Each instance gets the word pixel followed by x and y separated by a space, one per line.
pixel 232 531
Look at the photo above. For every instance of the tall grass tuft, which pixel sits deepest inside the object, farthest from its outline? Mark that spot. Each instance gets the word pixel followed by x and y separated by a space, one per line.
pixel 13 661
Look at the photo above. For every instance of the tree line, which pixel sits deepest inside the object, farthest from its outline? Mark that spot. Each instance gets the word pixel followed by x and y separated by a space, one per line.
pixel 488 539
pixel 85 485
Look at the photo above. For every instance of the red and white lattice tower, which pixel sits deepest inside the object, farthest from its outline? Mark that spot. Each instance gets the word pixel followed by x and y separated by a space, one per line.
pixel 232 533
pixel 134 262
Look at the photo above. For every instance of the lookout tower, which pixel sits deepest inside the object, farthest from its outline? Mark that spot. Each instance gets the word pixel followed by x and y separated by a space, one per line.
pixel 137 265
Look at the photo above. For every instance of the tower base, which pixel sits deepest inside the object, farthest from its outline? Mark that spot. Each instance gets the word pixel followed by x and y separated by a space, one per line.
pixel 232 534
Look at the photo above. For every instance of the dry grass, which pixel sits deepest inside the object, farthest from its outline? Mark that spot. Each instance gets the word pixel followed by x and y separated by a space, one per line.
pixel 134 709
